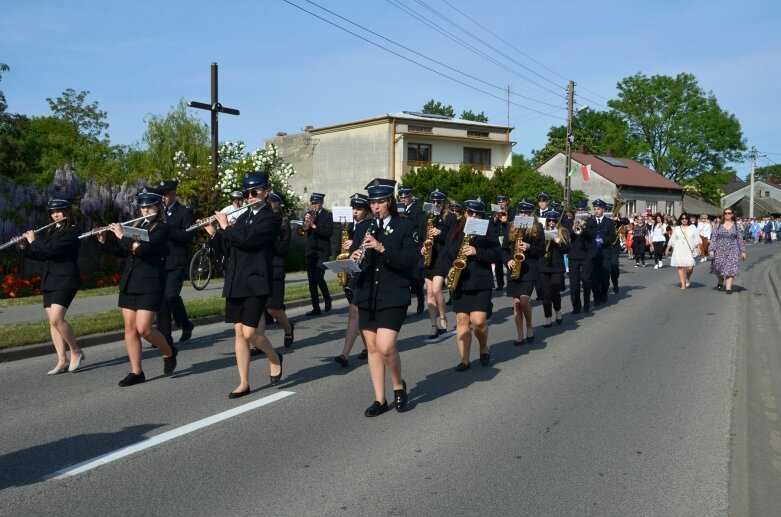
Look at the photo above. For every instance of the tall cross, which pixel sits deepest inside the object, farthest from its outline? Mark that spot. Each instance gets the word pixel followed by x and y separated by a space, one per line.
pixel 215 107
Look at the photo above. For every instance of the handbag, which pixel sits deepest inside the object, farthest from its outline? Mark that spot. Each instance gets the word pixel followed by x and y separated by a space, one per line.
pixel 694 253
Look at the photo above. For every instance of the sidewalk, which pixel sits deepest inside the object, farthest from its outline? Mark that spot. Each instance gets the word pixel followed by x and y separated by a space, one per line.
pixel 92 304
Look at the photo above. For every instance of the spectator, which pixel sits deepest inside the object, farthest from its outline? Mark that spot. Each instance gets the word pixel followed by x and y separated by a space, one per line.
pixel 705 229
pixel 726 250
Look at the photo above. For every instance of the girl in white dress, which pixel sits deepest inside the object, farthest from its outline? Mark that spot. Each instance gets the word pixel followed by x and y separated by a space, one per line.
pixel 685 243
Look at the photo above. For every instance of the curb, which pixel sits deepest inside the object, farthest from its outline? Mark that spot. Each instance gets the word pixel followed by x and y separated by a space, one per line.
pixel 41 349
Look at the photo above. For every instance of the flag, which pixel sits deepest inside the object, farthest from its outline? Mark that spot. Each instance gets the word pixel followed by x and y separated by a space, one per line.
pixel 586 170
pixel 573 170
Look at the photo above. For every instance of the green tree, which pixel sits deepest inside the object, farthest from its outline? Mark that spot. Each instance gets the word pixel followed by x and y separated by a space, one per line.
pixel 681 130
pixel 179 130
pixel 460 184
pixel 522 181
pixel 89 119
pixel 768 172
pixel 433 107
pixel 479 117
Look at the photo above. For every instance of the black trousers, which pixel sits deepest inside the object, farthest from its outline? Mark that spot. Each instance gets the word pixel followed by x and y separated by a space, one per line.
pixel 416 286
pixel 550 284
pixel 638 246
pixel 580 271
pixel 600 279
pixel 315 273
pixel 172 303
pixel 499 273
pixel 658 251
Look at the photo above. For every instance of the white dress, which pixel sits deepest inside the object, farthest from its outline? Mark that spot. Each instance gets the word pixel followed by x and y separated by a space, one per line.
pixel 682 252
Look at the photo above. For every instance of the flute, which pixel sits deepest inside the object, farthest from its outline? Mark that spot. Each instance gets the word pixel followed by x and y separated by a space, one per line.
pixel 210 220
pixel 20 237
pixel 102 229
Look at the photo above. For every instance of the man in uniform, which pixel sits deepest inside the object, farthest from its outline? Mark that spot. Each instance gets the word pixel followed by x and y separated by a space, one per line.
pixel 621 224
pixel 502 223
pixel 581 256
pixel 319 224
pixel 178 218
pixel 603 241
pixel 543 203
pixel 414 212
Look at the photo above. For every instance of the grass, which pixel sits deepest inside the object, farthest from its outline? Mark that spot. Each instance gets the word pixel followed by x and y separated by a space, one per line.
pixel 22 334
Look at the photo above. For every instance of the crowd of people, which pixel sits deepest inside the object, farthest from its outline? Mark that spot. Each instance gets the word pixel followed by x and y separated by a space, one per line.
pixel 402 251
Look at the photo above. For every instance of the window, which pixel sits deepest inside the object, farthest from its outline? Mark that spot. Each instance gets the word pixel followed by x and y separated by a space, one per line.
pixel 481 158
pixel 767 193
pixel 420 153
pixel 631 206
pixel 669 207
pixel 481 134
pixel 650 206
pixel 420 129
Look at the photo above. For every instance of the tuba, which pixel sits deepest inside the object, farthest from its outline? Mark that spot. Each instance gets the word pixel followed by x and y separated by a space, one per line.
pixel 617 205
pixel 429 242
pixel 343 277
pixel 454 275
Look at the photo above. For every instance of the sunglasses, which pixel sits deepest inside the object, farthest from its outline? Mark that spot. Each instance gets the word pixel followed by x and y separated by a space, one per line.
pixel 472 212
pixel 725 213
pixel 437 202
pixel 251 193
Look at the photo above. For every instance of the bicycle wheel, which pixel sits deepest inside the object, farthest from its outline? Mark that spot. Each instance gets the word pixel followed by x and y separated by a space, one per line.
pixel 201 269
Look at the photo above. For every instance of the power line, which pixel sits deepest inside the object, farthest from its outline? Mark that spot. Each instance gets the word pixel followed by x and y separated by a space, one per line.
pixel 409 59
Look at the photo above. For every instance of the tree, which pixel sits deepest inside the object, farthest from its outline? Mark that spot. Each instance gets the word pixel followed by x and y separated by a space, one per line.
pixel 769 172
pixel 682 131
pixel 89 119
pixel 3 104
pixel 468 115
pixel 436 108
pixel 179 131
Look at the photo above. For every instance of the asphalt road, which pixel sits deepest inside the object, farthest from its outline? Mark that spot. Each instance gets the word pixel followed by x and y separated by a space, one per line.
pixel 627 411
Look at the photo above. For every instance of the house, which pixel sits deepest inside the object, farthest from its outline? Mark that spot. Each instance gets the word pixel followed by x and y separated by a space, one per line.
pixel 641 188
pixel 694 203
pixel 341 159
pixel 767 197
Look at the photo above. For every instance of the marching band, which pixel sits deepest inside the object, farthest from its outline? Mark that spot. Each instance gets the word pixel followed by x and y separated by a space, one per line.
pixel 397 247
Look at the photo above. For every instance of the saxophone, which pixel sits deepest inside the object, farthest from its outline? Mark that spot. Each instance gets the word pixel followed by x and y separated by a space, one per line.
pixel 454 275
pixel 429 242
pixel 518 256
pixel 343 277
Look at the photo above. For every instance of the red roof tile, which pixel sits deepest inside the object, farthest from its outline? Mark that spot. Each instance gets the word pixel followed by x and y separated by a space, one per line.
pixel 633 175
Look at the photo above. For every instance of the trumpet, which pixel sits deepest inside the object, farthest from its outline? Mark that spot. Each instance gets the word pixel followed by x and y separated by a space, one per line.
pixel 20 237
pixel 307 223
pixel 103 229
pixel 210 220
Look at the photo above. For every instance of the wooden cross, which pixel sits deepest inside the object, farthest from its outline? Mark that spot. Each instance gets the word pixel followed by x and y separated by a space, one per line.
pixel 215 107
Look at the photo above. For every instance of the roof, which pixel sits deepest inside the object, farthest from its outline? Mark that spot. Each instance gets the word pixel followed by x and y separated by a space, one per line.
pixel 632 174
pixel 417 117
pixel 765 204
pixel 694 203
pixel 733 186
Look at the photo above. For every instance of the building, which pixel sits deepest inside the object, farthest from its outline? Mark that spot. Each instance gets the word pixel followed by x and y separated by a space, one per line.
pixel 639 187
pixel 767 197
pixel 340 160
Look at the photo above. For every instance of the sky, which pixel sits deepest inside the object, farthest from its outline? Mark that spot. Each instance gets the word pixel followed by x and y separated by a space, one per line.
pixel 285 69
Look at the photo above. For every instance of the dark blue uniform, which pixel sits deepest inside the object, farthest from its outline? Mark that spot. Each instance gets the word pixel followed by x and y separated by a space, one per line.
pixel 61 277
pixel 178 219
pixel 603 239
pixel 581 263
pixel 473 292
pixel 317 250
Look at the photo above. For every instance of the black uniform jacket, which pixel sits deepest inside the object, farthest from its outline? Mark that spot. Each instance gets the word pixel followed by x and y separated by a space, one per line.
pixel 145 269
pixel 502 228
pixel 60 250
pixel 385 277
pixel 530 266
pixel 178 218
pixel 248 248
pixel 582 246
pixel 446 224
pixel 318 240
pixel 281 250
pixel 477 275
pixel 553 260
pixel 606 230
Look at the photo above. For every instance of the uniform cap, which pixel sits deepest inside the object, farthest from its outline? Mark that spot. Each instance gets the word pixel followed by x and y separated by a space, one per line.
pixel 236 195
pixel 542 196
pixel 525 206
pixel 274 198
pixel 380 188
pixel 255 180
pixel 475 205
pixel 581 204
pixel 405 192
pixel 501 198
pixel 166 186
pixel 359 201
pixel 438 195
pixel 58 204
pixel 147 197
pixel 316 197
pixel 598 203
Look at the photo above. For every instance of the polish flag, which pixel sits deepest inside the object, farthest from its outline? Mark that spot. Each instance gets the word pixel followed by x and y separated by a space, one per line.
pixel 586 170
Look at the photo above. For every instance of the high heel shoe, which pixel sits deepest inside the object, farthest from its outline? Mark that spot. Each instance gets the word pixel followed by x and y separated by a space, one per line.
pixel 434 334
pixel 275 378
pixel 441 331
pixel 55 370
pixel 76 361
pixel 548 324
pixel 529 339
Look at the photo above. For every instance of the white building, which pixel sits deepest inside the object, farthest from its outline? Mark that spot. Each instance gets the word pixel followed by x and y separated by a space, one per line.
pixel 340 160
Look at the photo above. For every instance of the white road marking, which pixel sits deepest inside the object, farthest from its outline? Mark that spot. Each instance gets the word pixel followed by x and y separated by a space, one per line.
pixel 164 437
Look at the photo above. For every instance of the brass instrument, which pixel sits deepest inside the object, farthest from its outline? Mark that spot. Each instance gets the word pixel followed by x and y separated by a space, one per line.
pixel 20 237
pixel 518 255
pixel 454 275
pixel 307 223
pixel 428 244
pixel 210 220
pixel 559 233
pixel 577 226
pixel 343 277
pixel 617 205
pixel 104 229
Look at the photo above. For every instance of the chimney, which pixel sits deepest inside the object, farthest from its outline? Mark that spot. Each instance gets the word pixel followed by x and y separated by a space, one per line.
pixel 308 128
pixel 281 133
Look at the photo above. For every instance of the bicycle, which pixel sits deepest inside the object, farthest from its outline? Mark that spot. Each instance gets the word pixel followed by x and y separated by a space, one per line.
pixel 203 266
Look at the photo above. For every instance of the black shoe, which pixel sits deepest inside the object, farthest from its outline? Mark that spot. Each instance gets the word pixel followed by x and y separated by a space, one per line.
pixel 376 409
pixel 530 339
pixel 420 309
pixel 500 288
pixel 559 321
pixel 400 397
pixel 256 351
pixel 485 359
pixel 274 379
pixel 576 311
pixel 342 360
pixel 586 308
pixel 719 287
pixel 237 394
pixel 328 306
pixel 364 354
pixel 187 331
pixel 289 337
pixel 518 343
pixel 547 325
pixel 615 289
pixel 313 312
pixel 436 333
pixel 132 378
pixel 169 363
pixel 728 291
pixel 462 367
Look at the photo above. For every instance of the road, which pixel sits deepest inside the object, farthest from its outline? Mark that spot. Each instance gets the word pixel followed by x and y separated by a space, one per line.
pixel 651 405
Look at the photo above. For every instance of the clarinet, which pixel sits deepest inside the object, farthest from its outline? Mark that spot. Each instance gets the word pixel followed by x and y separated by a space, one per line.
pixel 352 283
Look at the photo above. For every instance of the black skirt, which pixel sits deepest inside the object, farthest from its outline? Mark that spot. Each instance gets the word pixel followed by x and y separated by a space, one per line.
pixel 140 302
pixel 390 318
pixel 471 301
pixel 246 311
pixel 522 288
pixel 62 297
pixel 277 298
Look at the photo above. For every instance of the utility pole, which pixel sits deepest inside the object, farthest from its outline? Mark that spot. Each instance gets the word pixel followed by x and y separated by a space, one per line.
pixel 751 195
pixel 570 140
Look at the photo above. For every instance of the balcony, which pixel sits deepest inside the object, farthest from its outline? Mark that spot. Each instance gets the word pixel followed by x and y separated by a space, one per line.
pixel 408 164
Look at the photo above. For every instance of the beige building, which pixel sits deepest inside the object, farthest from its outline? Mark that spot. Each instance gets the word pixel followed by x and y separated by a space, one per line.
pixel 340 160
